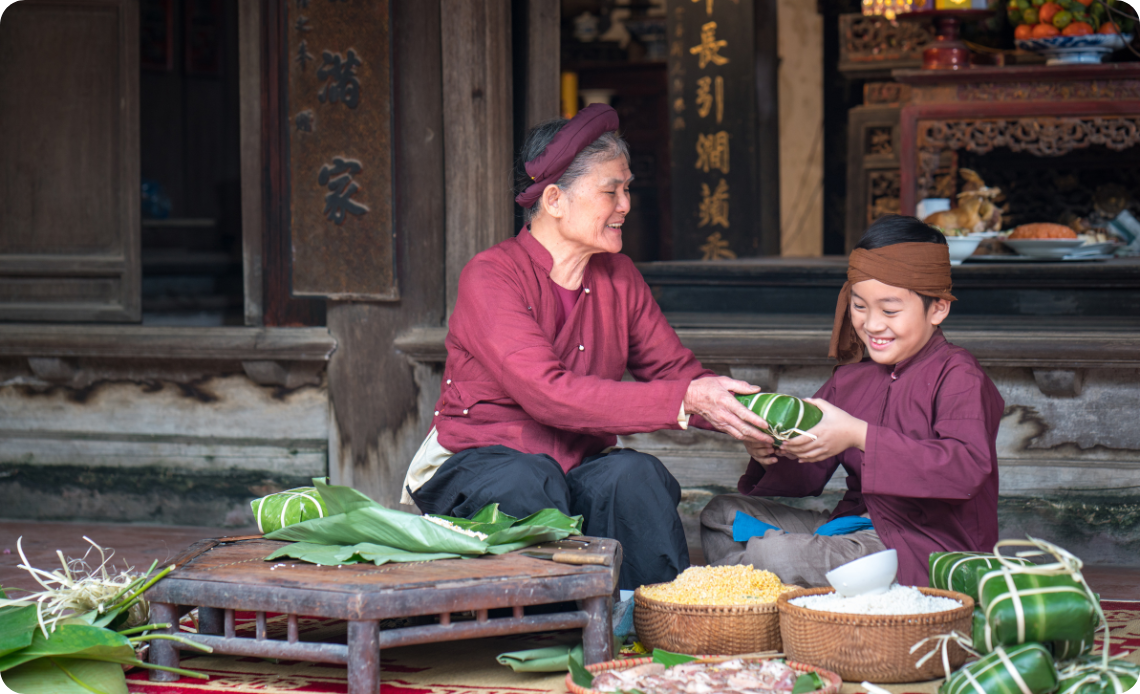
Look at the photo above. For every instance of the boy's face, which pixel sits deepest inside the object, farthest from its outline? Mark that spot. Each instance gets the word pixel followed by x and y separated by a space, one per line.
pixel 891 321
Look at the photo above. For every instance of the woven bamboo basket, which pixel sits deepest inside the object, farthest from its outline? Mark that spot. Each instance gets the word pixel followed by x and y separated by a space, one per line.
pixel 832 679
pixel 727 629
pixel 873 648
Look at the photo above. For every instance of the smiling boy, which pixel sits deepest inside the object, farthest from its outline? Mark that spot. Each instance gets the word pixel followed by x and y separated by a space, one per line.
pixel 913 422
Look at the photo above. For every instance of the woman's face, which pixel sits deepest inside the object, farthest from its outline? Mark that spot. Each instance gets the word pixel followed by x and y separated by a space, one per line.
pixel 596 206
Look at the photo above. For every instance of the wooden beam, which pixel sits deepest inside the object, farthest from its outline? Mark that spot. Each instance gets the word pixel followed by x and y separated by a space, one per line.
pixel 249 138
pixel 141 342
pixel 808 347
pixel 477 129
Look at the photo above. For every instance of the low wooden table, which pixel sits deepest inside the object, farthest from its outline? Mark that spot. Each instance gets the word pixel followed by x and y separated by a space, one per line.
pixel 220 577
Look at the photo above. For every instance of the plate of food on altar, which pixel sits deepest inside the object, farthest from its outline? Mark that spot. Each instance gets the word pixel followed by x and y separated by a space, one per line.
pixel 1046 242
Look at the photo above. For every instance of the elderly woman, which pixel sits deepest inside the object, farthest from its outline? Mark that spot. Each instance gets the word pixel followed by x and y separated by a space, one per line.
pixel 545 326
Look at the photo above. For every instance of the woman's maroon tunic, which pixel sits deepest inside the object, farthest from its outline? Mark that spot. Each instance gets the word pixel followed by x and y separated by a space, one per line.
pixel 511 380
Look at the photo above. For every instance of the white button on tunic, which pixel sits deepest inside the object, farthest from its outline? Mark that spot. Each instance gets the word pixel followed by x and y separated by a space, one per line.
pixel 581 348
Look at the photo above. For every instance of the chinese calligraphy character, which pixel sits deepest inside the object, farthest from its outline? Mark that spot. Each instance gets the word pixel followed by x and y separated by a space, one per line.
pixel 676 49
pixel 714 205
pixel 712 151
pixel 304 57
pixel 338 202
pixel 304 122
pixel 678 123
pixel 708 51
pixel 709 5
pixel 343 83
pixel 709 92
pixel 679 104
pixel 303 24
pixel 716 248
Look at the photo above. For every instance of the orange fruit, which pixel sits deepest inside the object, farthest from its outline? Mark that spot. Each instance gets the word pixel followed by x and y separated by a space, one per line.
pixel 1086 3
pixel 1078 29
pixel 1022 32
pixel 1045 31
pixel 1045 14
pixel 1108 28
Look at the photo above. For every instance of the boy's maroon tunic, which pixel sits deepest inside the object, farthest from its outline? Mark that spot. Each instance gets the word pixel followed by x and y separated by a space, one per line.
pixel 511 380
pixel 929 476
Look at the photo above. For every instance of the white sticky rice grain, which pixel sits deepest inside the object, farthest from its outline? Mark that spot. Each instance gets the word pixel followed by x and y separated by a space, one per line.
pixel 897 600
pixel 452 526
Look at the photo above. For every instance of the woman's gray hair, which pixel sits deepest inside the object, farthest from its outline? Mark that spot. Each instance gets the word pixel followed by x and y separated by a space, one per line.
pixel 608 146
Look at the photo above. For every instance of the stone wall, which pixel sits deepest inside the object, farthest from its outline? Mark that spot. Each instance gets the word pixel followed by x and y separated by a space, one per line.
pixel 159 441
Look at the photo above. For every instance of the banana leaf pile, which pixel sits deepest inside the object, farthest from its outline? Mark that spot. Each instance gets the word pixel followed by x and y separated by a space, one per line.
pixel 75 636
pixel 959 571
pixel 787 416
pixel 1035 623
pixel 356 529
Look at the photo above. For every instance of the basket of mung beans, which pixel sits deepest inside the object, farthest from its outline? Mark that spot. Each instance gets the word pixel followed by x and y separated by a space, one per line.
pixel 711 609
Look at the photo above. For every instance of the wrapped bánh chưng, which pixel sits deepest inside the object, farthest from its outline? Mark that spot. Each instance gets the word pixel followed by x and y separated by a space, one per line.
pixel 289 507
pixel 1023 669
pixel 1062 650
pixel 959 571
pixel 1092 675
pixel 787 416
pixel 1020 607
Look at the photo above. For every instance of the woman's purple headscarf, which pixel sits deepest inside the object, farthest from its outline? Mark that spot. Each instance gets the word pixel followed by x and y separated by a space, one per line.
pixel 590 124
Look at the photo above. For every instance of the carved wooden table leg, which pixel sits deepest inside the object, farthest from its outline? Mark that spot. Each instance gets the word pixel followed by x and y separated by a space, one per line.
pixel 598 636
pixel 364 657
pixel 162 651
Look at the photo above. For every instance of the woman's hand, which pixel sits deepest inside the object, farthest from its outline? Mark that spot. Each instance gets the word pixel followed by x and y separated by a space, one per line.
pixel 835 433
pixel 713 399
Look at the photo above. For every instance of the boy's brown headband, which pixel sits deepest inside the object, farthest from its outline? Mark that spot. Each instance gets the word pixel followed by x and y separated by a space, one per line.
pixel 921 267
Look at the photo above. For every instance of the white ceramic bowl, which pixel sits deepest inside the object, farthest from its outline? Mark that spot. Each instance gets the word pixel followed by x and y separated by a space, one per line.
pixel 961 247
pixel 867 575
pixel 1046 249
pixel 1075 50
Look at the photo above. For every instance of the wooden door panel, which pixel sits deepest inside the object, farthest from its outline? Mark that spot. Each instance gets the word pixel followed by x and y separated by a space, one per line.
pixel 69 163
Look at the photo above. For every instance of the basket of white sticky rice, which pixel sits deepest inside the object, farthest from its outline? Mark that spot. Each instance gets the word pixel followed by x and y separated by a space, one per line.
pixel 869 637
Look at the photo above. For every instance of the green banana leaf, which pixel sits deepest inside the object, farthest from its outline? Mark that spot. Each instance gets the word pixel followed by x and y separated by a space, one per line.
pixel 59 675
pixel 1053 608
pixel 998 672
pixel 16 627
pixel 73 641
pixel 334 555
pixel 1088 675
pixel 550 659
pixel 287 508
pixel 958 571
pixel 359 529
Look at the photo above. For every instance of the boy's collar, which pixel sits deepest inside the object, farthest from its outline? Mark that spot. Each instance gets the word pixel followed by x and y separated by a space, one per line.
pixel 937 339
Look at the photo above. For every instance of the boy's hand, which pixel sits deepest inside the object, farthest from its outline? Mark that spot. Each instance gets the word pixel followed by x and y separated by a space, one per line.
pixel 835 433
pixel 765 453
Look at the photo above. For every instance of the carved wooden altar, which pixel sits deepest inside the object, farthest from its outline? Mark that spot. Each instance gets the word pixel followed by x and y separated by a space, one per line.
pixel 1044 111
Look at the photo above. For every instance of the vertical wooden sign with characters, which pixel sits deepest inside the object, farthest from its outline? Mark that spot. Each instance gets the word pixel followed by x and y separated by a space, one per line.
pixel 713 126
pixel 338 105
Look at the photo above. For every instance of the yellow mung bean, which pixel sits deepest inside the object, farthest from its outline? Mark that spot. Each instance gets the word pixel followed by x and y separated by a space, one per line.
pixel 719 585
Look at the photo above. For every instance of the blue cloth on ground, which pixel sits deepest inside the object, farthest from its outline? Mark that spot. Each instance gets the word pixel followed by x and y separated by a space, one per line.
pixel 745 527
pixel 844 526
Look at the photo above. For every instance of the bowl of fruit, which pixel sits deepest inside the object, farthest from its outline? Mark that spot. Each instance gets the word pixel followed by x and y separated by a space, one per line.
pixel 1071 32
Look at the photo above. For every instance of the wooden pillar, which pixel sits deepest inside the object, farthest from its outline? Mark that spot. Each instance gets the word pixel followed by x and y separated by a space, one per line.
pixel 477 133
pixel 544 60
pixel 376 397
pixel 249 138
